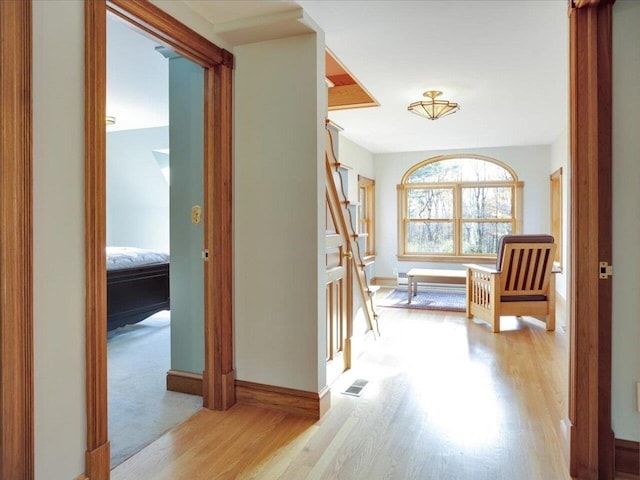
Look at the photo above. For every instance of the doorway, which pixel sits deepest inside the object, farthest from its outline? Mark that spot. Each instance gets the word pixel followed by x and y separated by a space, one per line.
pixel 153 94
pixel 217 382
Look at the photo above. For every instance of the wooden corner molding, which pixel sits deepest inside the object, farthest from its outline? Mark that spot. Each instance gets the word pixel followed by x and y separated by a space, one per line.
pixel 298 402
pixel 16 243
pixel 627 455
pixel 590 70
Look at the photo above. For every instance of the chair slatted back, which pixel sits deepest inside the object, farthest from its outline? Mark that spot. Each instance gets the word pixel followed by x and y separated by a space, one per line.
pixel 526 268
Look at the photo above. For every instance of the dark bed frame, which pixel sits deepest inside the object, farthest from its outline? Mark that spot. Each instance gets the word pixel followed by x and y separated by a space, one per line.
pixel 134 294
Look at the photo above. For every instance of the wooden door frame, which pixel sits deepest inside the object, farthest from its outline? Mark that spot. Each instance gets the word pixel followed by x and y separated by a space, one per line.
pixel 218 375
pixel 591 437
pixel 16 243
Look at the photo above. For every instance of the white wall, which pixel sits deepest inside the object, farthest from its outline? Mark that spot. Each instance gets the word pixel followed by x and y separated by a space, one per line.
pixel 278 212
pixel 359 160
pixel 137 193
pixel 626 219
pixel 531 163
pixel 560 159
pixel 58 261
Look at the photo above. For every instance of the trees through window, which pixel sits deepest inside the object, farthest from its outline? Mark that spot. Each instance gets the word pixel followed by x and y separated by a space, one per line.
pixel 456 207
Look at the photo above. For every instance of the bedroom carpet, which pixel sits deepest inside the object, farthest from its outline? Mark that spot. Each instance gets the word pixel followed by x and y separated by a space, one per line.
pixel 140 407
pixel 426 300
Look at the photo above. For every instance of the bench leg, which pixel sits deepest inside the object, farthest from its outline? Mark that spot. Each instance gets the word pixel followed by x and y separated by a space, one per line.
pixel 409 288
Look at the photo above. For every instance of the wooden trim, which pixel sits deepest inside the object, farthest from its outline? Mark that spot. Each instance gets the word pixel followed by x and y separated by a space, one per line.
pixel 97 462
pixel 627 455
pixel 344 90
pixel 82 477
pixel 163 27
pixel 341 97
pixel 591 443
pixel 217 141
pixel 184 382
pixel 16 243
pixel 97 456
pixel 299 402
pixel 219 391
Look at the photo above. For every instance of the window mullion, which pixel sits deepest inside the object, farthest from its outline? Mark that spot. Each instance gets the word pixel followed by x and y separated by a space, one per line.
pixel 457 222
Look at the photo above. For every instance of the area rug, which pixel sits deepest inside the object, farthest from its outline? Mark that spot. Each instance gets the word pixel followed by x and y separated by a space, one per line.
pixel 426 300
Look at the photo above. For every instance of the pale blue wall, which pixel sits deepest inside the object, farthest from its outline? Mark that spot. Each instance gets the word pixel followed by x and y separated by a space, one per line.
pixel 626 219
pixel 137 193
pixel 186 131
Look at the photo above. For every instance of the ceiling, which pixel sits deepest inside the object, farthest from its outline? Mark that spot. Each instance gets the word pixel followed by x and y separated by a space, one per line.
pixel 504 61
pixel 137 79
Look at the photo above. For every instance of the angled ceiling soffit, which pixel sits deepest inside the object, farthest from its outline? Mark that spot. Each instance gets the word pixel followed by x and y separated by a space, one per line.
pixel 344 89
pixel 267 27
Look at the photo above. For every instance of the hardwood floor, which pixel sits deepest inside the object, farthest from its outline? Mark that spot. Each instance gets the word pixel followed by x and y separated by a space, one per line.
pixel 446 399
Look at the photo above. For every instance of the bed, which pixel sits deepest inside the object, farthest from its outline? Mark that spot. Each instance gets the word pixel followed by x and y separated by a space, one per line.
pixel 137 285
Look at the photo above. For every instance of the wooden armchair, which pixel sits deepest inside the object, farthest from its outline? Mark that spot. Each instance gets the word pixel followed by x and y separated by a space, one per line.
pixel 523 282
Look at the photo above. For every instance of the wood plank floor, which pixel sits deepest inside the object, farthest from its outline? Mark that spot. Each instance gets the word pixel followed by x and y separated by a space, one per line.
pixel 446 399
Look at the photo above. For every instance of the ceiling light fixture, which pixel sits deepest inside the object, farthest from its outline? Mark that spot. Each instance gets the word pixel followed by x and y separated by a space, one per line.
pixel 110 120
pixel 433 109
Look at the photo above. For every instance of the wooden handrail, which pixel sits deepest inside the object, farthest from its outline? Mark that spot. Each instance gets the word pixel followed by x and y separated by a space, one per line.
pixel 340 205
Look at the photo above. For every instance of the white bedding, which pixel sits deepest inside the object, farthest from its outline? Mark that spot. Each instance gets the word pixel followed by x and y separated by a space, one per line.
pixel 128 257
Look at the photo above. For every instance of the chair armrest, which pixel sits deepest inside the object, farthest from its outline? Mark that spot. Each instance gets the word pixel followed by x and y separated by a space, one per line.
pixel 480 268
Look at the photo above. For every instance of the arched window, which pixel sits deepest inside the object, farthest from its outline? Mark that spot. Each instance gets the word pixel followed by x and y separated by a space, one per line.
pixel 456 207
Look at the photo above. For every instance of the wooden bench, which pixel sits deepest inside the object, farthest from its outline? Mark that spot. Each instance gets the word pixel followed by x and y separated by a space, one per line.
pixel 432 275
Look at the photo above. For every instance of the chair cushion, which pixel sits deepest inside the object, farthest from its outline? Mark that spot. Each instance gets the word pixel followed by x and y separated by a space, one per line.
pixel 534 238
pixel 523 298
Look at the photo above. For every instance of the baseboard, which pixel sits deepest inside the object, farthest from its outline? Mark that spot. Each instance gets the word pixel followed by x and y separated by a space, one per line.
pixel 385 281
pixel 82 477
pixel 299 402
pixel 627 458
pixel 184 382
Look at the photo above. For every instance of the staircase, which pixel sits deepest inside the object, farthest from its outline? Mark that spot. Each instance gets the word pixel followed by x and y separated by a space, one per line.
pixel 337 198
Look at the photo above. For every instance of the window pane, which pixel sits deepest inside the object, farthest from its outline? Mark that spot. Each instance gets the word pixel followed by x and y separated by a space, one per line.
pixel 430 203
pixel 429 237
pixel 460 170
pixel 482 237
pixel 486 202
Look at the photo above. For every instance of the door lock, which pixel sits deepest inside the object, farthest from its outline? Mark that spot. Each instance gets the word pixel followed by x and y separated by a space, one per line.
pixel 606 270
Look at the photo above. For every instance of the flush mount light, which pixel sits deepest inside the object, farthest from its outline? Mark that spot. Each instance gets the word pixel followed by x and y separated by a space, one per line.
pixel 433 109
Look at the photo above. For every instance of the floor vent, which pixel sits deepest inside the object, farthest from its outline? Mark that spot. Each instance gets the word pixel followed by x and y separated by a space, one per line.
pixel 356 387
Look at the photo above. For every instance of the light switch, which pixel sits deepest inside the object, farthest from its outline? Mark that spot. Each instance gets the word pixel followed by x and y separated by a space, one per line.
pixel 196 214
